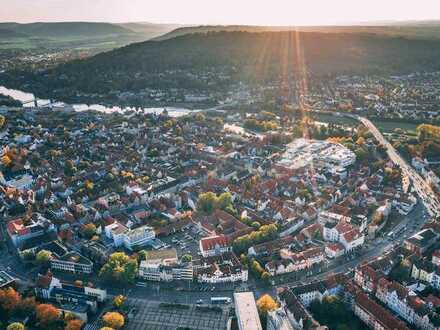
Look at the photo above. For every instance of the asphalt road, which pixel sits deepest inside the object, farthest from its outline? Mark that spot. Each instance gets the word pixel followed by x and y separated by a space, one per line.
pixel 423 189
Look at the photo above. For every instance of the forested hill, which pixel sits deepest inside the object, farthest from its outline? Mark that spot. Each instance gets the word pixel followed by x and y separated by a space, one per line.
pixel 66 29
pixel 428 30
pixel 239 55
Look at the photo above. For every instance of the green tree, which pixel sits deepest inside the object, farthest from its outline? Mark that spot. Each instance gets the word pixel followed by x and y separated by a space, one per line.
pixel 43 257
pixel 15 326
pixel 119 301
pixel 207 202
pixel 119 268
pixel 186 258
pixel 224 201
pixel 88 230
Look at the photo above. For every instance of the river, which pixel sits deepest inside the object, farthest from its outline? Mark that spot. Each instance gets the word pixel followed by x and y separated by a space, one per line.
pixel 26 97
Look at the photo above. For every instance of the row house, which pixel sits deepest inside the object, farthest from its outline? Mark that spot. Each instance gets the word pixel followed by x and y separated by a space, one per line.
pixel 375 316
pixel 272 247
pixel 367 278
pixel 310 292
pixel 220 269
pixel 291 315
pixel 426 271
pixel 295 261
pixel 346 234
pixel 405 303
pixel 214 246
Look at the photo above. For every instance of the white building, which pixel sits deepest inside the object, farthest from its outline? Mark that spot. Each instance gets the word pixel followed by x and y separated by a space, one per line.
pixel 246 311
pixel 138 237
pixel 163 265
pixel 130 238
pixel 72 262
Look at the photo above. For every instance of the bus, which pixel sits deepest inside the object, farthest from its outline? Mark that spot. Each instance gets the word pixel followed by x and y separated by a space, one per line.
pixel 220 300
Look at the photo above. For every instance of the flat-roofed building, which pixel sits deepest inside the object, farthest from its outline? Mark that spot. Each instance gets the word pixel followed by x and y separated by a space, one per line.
pixel 246 311
pixel 72 262
pixel 163 265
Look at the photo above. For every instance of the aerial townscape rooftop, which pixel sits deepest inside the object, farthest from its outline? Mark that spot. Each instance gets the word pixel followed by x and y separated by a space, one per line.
pixel 219 177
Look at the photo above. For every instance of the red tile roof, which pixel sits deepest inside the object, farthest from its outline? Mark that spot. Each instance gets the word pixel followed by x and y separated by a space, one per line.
pixel 383 316
pixel 210 243
pixel 17 227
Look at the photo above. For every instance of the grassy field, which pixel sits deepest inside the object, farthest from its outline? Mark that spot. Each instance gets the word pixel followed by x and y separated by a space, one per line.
pixel 384 126
pixel 389 126
pixel 331 119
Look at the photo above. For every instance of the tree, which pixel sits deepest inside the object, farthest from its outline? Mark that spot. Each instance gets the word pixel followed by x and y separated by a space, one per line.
pixel 15 326
pixel 360 141
pixel 113 320
pixel 69 168
pixel 27 306
pixel 9 300
pixel 200 117
pixel 224 200
pixel 2 121
pixel 119 301
pixel 332 312
pixel 74 325
pixel 119 268
pixel 6 160
pixel 207 202
pixel 266 304
pixel 256 267
pixel 89 185
pixel 47 314
pixel 186 258
pixel 43 257
pixel 265 276
pixel 88 230
pixel 142 255
pixel 263 234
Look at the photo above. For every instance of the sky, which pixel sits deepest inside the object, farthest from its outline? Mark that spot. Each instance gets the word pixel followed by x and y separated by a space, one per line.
pixel 251 12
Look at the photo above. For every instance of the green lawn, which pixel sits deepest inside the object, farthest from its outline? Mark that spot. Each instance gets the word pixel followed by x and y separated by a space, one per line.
pixel 384 126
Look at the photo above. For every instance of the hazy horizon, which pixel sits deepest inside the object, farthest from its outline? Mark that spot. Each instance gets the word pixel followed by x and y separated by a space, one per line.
pixel 226 12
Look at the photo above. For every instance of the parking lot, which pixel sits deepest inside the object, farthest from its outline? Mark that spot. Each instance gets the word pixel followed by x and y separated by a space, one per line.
pixel 185 242
pixel 153 315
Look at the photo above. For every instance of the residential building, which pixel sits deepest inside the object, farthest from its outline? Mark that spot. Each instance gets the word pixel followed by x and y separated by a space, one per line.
pixel 220 269
pixel 214 246
pixel 20 230
pixel 421 241
pixel 375 316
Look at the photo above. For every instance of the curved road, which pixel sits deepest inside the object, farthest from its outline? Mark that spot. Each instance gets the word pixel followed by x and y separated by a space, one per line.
pixel 422 188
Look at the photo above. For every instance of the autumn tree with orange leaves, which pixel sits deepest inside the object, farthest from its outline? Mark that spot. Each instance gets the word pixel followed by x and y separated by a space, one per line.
pixel 9 300
pixel 47 314
pixel 74 325
pixel 113 320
